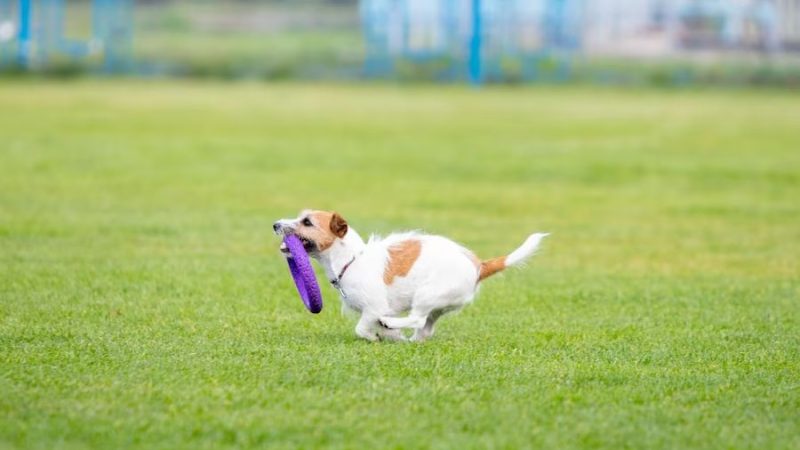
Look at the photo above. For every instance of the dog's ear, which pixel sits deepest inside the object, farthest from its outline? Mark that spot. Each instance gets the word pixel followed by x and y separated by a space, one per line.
pixel 338 225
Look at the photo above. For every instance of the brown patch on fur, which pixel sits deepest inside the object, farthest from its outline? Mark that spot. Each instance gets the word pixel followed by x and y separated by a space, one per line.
pixel 491 267
pixel 402 256
pixel 327 226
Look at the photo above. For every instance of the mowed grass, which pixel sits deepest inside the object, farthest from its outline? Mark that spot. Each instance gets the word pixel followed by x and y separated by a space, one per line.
pixel 144 303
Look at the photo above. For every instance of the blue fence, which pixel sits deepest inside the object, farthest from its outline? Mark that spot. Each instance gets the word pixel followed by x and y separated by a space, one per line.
pixel 32 34
pixel 475 40
pixel 606 41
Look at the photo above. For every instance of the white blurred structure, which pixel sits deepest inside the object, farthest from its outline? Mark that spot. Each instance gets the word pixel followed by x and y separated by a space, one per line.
pixel 658 28
pixel 789 23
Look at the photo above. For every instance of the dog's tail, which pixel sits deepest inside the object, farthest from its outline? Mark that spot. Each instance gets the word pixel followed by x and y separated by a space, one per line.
pixel 494 265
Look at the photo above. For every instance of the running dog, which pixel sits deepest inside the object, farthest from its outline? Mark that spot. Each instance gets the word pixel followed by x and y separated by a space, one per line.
pixel 425 275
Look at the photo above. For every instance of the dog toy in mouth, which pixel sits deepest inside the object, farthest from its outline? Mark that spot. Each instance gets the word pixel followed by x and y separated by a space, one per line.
pixel 303 274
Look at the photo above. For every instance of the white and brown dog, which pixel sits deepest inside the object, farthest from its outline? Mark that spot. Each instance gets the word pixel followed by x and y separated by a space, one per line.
pixel 424 275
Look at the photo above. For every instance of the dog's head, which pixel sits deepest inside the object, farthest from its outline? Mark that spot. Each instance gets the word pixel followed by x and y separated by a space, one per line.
pixel 317 230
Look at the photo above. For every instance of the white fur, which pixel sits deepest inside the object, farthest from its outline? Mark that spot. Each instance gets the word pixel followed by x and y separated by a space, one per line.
pixel 525 250
pixel 444 278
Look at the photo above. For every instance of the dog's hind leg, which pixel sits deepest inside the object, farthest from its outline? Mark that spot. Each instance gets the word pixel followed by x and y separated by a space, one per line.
pixel 420 334
pixel 412 321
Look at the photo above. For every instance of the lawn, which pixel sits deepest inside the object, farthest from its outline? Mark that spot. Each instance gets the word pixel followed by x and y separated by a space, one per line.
pixel 144 304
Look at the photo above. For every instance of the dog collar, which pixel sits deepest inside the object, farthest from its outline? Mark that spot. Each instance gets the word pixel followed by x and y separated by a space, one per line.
pixel 336 282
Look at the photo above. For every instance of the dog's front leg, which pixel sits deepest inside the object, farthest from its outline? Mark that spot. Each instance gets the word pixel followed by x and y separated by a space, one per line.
pixel 365 328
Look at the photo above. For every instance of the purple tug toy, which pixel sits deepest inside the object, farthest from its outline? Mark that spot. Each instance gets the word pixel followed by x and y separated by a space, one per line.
pixel 303 274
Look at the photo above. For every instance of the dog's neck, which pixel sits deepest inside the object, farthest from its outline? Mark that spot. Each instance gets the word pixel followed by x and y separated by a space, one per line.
pixel 341 253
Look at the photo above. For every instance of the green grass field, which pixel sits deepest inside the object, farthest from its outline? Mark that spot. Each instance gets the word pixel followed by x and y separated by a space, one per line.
pixel 144 303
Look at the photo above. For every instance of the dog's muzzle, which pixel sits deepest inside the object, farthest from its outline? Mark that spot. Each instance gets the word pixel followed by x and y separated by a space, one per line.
pixel 281 229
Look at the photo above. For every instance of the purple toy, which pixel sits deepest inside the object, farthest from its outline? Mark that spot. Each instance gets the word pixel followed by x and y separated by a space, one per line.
pixel 303 274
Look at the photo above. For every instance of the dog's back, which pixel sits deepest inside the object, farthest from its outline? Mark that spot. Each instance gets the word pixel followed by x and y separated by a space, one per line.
pixel 422 268
pixel 431 275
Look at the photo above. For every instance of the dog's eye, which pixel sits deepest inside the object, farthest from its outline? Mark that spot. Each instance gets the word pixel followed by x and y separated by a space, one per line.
pixel 307 222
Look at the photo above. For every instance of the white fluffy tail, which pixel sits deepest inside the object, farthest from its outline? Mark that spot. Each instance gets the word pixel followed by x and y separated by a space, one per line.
pixel 525 250
pixel 528 248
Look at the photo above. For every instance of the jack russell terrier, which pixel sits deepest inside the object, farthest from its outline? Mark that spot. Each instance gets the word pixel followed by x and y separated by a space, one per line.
pixel 425 275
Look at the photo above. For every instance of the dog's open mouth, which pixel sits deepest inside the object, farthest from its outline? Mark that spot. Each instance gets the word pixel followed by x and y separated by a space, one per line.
pixel 308 245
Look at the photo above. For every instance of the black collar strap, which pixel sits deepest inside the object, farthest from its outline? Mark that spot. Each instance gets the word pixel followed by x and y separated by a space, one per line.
pixel 336 281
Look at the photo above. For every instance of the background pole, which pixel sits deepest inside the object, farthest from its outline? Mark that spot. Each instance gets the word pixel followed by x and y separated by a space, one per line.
pixel 24 37
pixel 475 45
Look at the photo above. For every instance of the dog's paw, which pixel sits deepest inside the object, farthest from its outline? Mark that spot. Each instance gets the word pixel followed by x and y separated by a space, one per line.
pixel 372 337
pixel 392 336
pixel 367 333
pixel 385 322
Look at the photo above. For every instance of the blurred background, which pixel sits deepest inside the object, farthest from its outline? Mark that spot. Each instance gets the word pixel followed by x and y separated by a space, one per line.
pixel 147 147
pixel 662 42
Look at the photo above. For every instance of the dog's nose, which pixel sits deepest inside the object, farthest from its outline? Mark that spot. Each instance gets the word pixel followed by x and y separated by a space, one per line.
pixel 276 226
